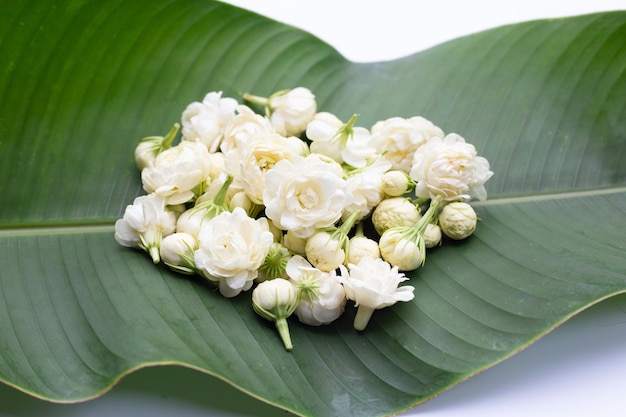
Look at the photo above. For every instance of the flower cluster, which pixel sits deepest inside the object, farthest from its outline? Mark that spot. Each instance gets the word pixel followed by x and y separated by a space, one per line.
pixel 279 203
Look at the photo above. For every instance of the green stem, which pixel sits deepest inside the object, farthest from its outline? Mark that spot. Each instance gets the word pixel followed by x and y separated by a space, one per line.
pixel 221 194
pixel 428 217
pixel 359 230
pixel 345 132
pixel 283 331
pixel 347 225
pixel 169 138
pixel 154 254
pixel 261 101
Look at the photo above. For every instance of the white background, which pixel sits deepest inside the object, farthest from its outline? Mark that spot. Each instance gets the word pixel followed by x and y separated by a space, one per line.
pixel 578 370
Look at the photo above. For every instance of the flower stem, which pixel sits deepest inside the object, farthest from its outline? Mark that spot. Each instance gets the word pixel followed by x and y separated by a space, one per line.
pixel 347 225
pixel 169 138
pixel 261 101
pixel 154 254
pixel 363 315
pixel 283 331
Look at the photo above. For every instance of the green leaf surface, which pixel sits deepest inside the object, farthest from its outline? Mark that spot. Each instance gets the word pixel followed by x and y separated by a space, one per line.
pixel 82 81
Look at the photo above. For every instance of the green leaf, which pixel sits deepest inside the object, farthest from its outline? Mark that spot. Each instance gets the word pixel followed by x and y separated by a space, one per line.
pixel 82 81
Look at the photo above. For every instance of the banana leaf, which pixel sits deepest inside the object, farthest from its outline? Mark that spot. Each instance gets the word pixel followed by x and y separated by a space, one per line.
pixel 83 81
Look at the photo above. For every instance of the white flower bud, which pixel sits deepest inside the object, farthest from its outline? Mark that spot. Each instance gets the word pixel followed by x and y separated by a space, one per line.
pixel 360 247
pixel 177 252
pixel 294 243
pixel 275 300
pixel 395 183
pixel 145 153
pixel 276 296
pixel 432 235
pixel 394 212
pixel 324 252
pixel 190 222
pixel 242 200
pixel 399 251
pixel 149 147
pixel 457 220
pixel 291 110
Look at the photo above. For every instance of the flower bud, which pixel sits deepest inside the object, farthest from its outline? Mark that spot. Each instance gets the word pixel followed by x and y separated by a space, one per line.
pixel 457 220
pixel 294 243
pixel 145 154
pixel 289 110
pixel 394 212
pixel 399 251
pixel 432 235
pixel 324 252
pixel 360 247
pixel 149 147
pixel 275 300
pixel 242 200
pixel 395 183
pixel 177 252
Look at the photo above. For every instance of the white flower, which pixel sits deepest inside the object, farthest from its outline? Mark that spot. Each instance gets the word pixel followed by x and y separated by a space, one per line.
pixel 394 212
pixel 457 220
pixel 289 110
pixel 373 284
pixel 204 122
pixel 232 247
pixel 245 125
pixel 322 297
pixel 177 252
pixel 303 195
pixel 364 188
pixel 342 142
pixel 176 173
pixel 398 139
pixel 450 168
pixel 250 161
pixel 217 165
pixel 144 224
pixel 276 300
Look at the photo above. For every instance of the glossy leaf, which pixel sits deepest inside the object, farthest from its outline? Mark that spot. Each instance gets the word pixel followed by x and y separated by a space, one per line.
pixel 82 81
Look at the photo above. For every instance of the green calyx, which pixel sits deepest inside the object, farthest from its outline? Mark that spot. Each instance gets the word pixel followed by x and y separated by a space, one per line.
pixel 341 233
pixel 345 132
pixel 216 206
pixel 161 143
pixel 308 286
pixel 275 261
